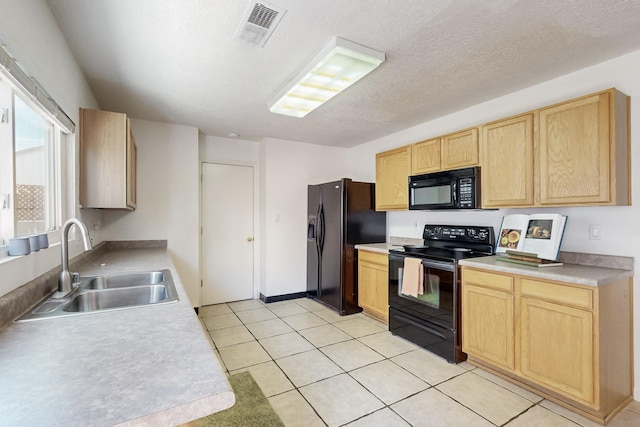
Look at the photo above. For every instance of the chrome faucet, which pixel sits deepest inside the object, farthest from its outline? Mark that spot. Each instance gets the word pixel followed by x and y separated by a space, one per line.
pixel 65 284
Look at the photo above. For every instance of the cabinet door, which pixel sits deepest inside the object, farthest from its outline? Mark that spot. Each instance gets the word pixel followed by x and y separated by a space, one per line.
pixel 392 179
pixel 557 348
pixel 132 158
pixel 373 284
pixel 575 156
pixel 103 136
pixel 425 157
pixel 488 325
pixel 507 163
pixel 488 318
pixel 460 149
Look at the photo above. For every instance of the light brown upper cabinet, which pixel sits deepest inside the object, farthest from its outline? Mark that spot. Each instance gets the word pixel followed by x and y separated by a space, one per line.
pixel 425 156
pixel 507 162
pixel 107 161
pixel 583 151
pixel 393 168
pixel 454 151
pixel 460 149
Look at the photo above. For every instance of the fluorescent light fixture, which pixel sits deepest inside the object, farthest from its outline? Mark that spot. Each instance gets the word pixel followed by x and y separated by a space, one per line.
pixel 339 65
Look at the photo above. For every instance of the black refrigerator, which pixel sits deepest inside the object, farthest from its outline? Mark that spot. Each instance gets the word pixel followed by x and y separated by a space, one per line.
pixel 341 214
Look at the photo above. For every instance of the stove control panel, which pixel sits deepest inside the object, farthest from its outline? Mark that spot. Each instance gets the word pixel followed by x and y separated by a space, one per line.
pixel 459 233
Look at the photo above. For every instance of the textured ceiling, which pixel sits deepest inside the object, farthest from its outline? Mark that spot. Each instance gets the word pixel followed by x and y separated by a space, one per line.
pixel 177 61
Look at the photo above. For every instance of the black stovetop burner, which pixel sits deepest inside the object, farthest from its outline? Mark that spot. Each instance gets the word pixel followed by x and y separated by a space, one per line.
pixel 453 242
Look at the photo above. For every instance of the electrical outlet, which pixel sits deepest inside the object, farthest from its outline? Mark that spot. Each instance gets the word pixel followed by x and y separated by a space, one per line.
pixel 595 232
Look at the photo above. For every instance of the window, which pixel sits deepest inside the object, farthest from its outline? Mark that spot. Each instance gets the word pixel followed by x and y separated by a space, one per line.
pixel 33 131
pixel 30 188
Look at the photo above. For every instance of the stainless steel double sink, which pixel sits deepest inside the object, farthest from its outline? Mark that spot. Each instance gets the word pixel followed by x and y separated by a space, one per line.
pixel 113 292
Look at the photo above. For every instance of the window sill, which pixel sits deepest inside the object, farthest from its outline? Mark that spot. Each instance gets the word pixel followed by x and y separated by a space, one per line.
pixel 6 258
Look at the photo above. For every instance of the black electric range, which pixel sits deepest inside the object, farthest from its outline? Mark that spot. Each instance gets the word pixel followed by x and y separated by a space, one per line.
pixel 428 314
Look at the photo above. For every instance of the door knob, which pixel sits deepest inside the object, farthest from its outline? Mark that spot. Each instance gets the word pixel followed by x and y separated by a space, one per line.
pixel 249 239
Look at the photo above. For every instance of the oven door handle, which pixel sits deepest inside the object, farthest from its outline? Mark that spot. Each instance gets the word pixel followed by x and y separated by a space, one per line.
pixel 446 266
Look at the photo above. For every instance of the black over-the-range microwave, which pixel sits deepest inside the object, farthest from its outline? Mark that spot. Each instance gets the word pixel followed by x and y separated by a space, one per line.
pixel 453 189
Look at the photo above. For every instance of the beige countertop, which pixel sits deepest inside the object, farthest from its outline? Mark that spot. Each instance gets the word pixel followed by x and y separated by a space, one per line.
pixel 377 247
pixel 149 365
pixel 570 273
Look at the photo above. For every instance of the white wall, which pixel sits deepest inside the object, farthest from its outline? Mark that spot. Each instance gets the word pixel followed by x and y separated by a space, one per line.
pixel 167 198
pixel 620 227
pixel 286 170
pixel 32 35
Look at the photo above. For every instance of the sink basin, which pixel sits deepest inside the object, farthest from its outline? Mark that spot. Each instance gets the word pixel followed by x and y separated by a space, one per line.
pixel 115 298
pixel 125 280
pixel 104 293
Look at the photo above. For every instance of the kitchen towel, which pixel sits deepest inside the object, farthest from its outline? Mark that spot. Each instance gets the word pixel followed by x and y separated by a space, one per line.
pixel 412 278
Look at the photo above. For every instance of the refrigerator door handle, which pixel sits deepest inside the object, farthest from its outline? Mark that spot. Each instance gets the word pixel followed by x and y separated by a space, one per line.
pixel 321 230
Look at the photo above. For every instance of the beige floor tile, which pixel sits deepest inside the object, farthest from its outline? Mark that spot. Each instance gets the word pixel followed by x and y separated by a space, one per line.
pixel 340 399
pixel 433 409
pixel 388 381
pixel 484 397
pixel 269 328
pixel 269 377
pixel 303 321
pixel 324 335
pixel 213 310
pixel 287 308
pixel 310 304
pixel 256 315
pixel 358 327
pixel 280 346
pixel 466 365
pixel 625 418
pixel 388 344
pixel 249 304
pixel 633 407
pixel 309 367
pixel 541 417
pixel 350 355
pixel 231 336
pixel 382 418
pixel 428 366
pixel 221 321
pixel 576 418
pixel 509 386
pixel 243 355
pixel 294 411
pixel 330 316
pixel 376 322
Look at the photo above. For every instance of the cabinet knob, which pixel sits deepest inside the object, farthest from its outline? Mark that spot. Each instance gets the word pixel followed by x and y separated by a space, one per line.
pixel 249 239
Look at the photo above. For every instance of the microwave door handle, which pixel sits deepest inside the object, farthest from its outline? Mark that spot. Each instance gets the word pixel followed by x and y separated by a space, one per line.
pixel 454 188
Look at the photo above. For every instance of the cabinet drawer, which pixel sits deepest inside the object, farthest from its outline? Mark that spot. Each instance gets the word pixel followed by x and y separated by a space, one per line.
pixel 380 259
pixel 568 295
pixel 488 280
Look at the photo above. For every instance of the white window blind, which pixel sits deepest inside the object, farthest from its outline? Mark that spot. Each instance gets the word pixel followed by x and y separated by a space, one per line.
pixel 12 70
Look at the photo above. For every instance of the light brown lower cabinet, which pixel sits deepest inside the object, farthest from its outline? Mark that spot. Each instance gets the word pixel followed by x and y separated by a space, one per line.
pixel 567 342
pixel 373 284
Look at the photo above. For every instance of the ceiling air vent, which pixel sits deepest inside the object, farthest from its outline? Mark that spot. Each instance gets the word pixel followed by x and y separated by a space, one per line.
pixel 258 23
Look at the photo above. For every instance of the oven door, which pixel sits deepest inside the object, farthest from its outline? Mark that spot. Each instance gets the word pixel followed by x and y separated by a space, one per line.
pixel 428 319
pixel 435 302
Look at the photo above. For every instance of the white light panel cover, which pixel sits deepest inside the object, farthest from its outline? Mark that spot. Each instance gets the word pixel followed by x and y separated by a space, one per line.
pixel 338 66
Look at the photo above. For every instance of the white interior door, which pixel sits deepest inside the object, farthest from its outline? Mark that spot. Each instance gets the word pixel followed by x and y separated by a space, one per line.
pixel 227 233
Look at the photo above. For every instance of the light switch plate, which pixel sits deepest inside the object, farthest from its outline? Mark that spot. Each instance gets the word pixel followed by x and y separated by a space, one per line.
pixel 595 232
